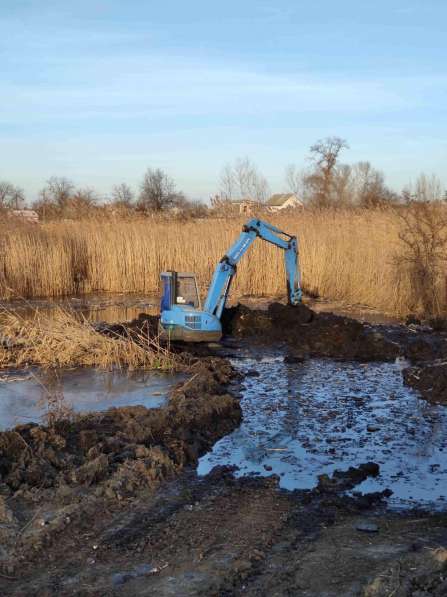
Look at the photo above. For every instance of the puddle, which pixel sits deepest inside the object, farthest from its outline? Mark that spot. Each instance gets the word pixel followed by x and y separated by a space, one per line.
pixel 24 399
pixel 108 307
pixel 305 419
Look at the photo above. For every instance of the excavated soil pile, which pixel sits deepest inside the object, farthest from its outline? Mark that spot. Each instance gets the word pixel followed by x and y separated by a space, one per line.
pixel 123 448
pixel 309 333
pixel 430 380
pixel 144 324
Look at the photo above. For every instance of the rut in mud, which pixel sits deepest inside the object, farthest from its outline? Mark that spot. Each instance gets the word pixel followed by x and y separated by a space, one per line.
pixel 221 536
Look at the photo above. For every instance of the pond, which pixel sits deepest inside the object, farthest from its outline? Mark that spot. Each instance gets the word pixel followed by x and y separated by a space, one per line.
pixel 305 419
pixel 108 307
pixel 29 396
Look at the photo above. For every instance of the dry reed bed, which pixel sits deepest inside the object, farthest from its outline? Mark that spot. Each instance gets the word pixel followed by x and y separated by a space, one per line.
pixel 63 340
pixel 347 256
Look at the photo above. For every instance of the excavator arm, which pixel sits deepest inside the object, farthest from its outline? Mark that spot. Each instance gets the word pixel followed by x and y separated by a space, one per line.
pixel 226 268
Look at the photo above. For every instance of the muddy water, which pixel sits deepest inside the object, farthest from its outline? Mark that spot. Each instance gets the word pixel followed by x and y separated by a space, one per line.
pixel 28 397
pixel 25 397
pixel 305 419
pixel 108 307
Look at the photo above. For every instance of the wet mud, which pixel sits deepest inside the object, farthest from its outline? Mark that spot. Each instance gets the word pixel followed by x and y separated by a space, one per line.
pixel 430 380
pixel 311 334
pixel 100 446
pixel 221 536
pixel 319 334
pixel 111 503
pixel 56 473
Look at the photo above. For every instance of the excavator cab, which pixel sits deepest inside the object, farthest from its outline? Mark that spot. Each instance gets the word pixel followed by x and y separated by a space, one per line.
pixel 181 316
pixel 179 289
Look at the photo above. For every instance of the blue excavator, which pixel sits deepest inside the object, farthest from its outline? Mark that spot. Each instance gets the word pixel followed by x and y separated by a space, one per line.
pixel 182 317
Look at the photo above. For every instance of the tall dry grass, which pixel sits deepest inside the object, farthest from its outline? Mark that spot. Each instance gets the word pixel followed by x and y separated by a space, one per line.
pixel 345 255
pixel 62 339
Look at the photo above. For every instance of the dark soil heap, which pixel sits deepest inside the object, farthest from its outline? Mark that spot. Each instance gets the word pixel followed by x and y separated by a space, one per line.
pixel 309 333
pixel 124 447
pixel 430 380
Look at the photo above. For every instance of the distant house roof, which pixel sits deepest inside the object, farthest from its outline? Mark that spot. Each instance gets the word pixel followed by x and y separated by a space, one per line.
pixel 243 200
pixel 280 198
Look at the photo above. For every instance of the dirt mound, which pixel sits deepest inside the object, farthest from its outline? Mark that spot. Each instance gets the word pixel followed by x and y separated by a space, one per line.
pixel 143 325
pixel 309 333
pixel 430 380
pixel 124 448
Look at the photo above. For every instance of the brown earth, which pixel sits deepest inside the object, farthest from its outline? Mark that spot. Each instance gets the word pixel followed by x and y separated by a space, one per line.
pixel 312 334
pixel 220 536
pixel 430 380
pixel 109 504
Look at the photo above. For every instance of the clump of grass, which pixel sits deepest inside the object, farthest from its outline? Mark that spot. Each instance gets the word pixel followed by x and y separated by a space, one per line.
pixel 63 339
pixel 56 408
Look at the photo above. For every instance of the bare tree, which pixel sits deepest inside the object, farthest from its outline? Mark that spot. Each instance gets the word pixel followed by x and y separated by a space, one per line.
pixel 11 196
pixel 81 202
pixel 295 181
pixel 60 199
pixel 369 186
pixel 57 191
pixel 54 197
pixel 324 156
pixel 243 180
pixel 157 191
pixel 423 234
pixel 426 188
pixel 5 191
pixel 342 186
pixel 122 195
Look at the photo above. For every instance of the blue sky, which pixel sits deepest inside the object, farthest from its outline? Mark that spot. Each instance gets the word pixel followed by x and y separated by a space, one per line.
pixel 99 90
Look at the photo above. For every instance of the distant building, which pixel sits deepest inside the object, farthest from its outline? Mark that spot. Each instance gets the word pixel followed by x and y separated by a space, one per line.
pixel 283 201
pixel 29 215
pixel 245 205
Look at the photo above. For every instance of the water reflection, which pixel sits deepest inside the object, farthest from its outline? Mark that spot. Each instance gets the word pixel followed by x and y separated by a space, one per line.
pixel 305 419
pixel 108 307
pixel 29 398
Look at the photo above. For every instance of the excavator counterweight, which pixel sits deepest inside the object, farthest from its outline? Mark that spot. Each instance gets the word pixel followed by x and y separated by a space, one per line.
pixel 182 316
